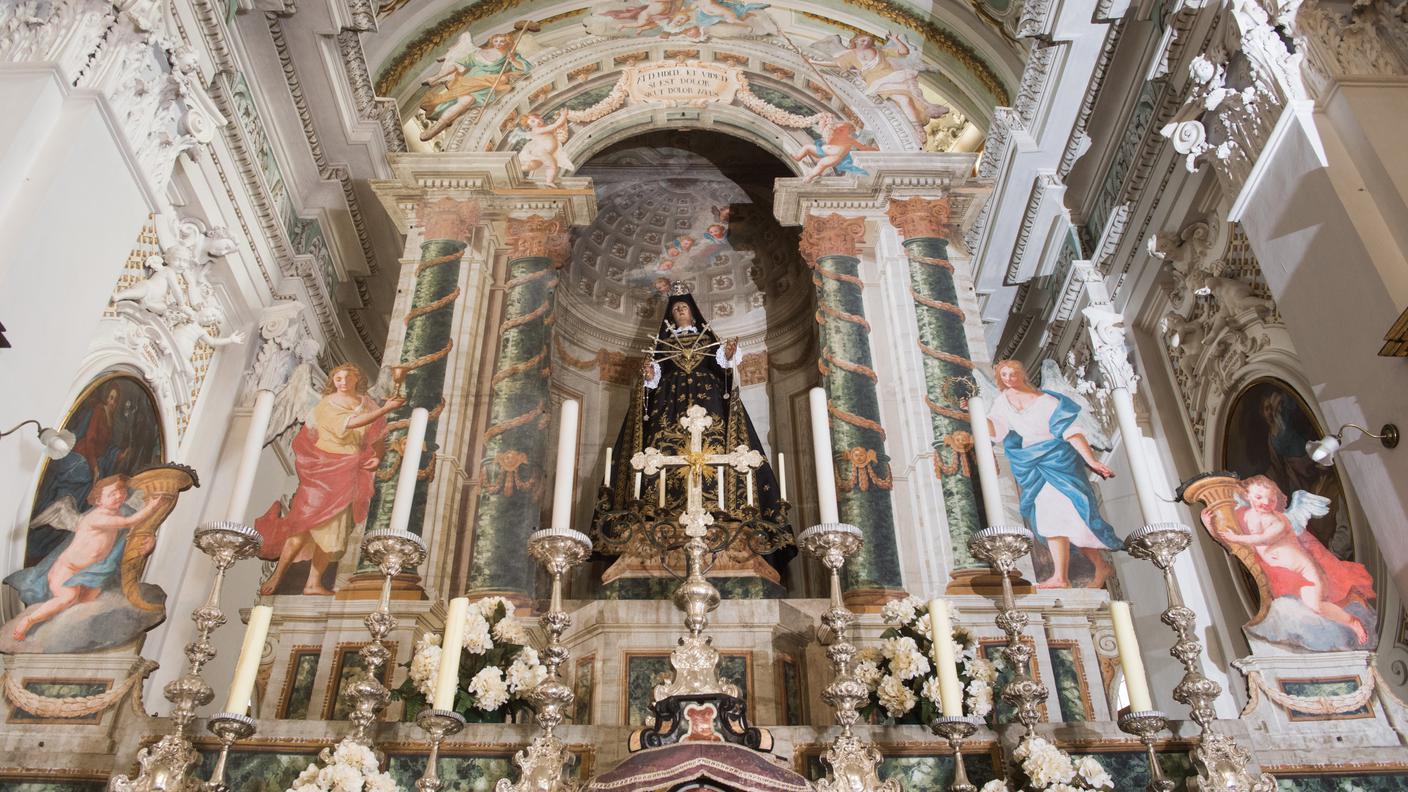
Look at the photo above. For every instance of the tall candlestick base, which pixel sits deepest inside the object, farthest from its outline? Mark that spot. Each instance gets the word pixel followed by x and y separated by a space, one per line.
pixel 1219 762
pixel 541 763
pixel 1146 724
pixel 391 552
pixel 854 763
pixel 439 724
pixel 1002 546
pixel 956 730
pixel 168 765
pixel 230 728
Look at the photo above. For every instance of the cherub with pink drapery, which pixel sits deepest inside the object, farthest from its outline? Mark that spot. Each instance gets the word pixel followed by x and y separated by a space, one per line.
pixel 336 455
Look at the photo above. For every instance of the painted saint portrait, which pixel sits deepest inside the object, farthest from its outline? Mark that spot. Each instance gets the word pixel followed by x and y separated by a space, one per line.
pixel 336 454
pixel 1050 442
pixel 93 526
pixel 1286 521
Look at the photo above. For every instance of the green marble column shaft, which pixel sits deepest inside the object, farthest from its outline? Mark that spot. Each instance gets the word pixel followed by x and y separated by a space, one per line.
pixel 863 473
pixel 514 468
pixel 943 340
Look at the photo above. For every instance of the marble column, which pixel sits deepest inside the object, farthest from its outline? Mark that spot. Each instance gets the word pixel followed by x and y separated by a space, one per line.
pixel 448 224
pixel 864 478
pixel 924 226
pixel 516 441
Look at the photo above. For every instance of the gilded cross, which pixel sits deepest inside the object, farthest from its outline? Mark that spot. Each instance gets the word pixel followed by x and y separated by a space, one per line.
pixel 696 519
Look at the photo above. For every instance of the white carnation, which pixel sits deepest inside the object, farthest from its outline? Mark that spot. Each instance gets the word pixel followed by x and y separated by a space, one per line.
pixel 906 661
pixel 526 672
pixel 425 664
pixel 981 670
pixel 979 699
pixel 895 697
pixel 900 612
pixel 995 785
pixel 930 690
pixel 511 630
pixel 476 634
pixel 489 688
pixel 868 671
pixel 489 604
pixel 1093 773
pixel 381 782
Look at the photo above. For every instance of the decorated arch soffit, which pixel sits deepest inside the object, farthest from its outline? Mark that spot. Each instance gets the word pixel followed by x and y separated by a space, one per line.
pixel 836 76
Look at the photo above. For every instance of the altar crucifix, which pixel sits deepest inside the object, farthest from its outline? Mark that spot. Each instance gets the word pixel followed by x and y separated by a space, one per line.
pixel 698 462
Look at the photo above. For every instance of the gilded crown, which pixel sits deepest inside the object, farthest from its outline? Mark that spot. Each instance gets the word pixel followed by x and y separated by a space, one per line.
pixel 679 289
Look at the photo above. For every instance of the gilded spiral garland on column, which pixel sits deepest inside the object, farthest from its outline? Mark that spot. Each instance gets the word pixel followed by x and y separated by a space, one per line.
pixel 864 478
pixel 516 445
pixel 429 321
pixel 924 225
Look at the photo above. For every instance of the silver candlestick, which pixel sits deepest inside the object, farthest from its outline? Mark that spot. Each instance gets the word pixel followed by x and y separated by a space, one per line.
pixel 1146 724
pixel 390 551
pixel 1220 763
pixel 439 724
pixel 541 763
pixel 854 762
pixel 230 728
pixel 1002 546
pixel 167 765
pixel 956 730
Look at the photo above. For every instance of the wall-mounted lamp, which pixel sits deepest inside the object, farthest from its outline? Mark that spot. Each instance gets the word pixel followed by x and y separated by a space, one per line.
pixel 1322 452
pixel 57 442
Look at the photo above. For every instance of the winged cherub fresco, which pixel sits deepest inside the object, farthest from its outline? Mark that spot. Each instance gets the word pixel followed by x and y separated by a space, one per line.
pixel 889 69
pixel 693 20
pixel 87 594
pixel 468 76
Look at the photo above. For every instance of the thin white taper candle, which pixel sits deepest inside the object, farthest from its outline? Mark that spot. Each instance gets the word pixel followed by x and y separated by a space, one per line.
pixel 637 491
pixel 661 488
pixel 410 468
pixel 247 667
pixel 249 456
pixel 1136 683
pixel 750 486
pixel 782 475
pixel 447 677
pixel 987 463
pixel 945 660
pixel 606 480
pixel 1138 464
pixel 825 465
pixel 566 465
pixel 722 507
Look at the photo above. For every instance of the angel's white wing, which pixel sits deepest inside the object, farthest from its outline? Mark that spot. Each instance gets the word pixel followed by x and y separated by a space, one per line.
pixel 295 400
pixel 987 387
pixel 384 386
pixel 1306 506
pixel 60 514
pixel 457 52
pixel 909 60
pixel 1054 379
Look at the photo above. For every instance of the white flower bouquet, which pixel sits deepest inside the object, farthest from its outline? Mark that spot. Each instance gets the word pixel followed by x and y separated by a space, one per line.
pixel 497 668
pixel 902 682
pixel 1049 769
pixel 348 767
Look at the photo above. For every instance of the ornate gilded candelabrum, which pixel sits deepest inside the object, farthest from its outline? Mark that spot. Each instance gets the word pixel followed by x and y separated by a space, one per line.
pixel 541 763
pixel 230 728
pixel 390 551
pixel 439 724
pixel 854 762
pixel 167 765
pixel 956 730
pixel 1146 725
pixel 1220 763
pixel 1002 546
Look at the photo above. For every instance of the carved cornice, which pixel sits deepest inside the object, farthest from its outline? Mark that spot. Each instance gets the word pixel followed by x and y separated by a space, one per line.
pixel 1079 141
pixel 921 217
pixel 831 235
pixel 1043 183
pixel 370 107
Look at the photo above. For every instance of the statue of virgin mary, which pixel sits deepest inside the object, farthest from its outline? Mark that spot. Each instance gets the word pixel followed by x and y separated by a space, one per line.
pixel 687 364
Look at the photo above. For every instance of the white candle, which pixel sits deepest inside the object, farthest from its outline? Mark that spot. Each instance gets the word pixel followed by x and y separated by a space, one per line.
pixel 721 489
pixel 638 477
pixel 410 468
pixel 1136 683
pixel 825 465
pixel 247 667
pixel 607 478
pixel 566 465
pixel 1138 464
pixel 945 659
pixel 447 677
pixel 781 475
pixel 661 488
pixel 750 486
pixel 249 456
pixel 987 463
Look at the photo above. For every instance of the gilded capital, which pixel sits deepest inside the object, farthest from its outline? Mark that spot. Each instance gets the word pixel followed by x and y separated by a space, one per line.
pixel 537 235
pixel 921 217
pixel 448 218
pixel 831 235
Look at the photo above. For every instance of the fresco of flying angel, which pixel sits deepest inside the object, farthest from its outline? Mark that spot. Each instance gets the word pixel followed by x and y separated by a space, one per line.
pixel 890 70
pixel 1050 445
pixel 470 76
pixel 542 152
pixel 336 454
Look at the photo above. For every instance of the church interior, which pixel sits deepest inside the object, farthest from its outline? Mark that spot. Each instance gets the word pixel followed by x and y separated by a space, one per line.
pixel 703 395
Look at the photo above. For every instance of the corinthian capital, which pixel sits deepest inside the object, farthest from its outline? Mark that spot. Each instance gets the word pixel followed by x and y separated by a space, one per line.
pixel 448 218
pixel 1107 345
pixel 921 217
pixel 831 235
pixel 537 235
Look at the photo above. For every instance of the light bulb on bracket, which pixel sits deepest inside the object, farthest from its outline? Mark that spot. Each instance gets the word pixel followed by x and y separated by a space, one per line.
pixel 1322 452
